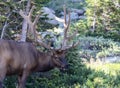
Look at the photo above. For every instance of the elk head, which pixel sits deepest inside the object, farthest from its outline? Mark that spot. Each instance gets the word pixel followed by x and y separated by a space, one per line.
pixel 57 54
pixel 59 60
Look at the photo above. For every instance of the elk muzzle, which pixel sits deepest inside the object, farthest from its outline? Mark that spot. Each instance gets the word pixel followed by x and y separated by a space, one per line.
pixel 64 65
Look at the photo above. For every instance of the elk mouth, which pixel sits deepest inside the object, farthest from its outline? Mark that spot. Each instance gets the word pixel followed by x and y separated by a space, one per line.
pixel 63 69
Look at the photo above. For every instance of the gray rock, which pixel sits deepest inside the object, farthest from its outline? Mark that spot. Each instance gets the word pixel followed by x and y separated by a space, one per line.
pixel 78 11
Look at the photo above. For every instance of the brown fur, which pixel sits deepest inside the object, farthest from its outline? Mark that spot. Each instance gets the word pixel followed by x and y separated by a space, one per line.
pixel 23 58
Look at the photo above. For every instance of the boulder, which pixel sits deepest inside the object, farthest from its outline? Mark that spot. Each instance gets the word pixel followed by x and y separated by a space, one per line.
pixel 78 11
pixel 50 14
pixel 77 1
pixel 75 14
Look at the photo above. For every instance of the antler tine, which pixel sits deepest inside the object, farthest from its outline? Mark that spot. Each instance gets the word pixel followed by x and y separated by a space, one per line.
pixel 71 36
pixel 25 17
pixel 66 38
pixel 31 11
pixel 71 46
pixel 33 26
pixel 66 24
pixel 65 20
pixel 28 17
pixel 41 43
pixel 36 19
pixel 75 44
pixel 66 27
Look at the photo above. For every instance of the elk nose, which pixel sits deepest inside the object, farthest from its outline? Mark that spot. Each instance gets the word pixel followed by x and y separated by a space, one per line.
pixel 67 66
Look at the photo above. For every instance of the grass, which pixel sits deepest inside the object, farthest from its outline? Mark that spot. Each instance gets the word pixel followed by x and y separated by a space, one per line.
pixel 108 68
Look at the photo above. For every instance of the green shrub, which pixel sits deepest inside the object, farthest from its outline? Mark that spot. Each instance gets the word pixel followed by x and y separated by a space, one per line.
pixel 114 35
pixel 103 15
pixel 57 5
pixel 78 75
pixel 98 47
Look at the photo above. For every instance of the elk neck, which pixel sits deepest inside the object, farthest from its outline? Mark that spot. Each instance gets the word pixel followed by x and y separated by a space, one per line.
pixel 45 62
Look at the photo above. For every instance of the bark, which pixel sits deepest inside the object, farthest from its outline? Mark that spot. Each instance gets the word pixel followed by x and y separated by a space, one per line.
pixel 25 24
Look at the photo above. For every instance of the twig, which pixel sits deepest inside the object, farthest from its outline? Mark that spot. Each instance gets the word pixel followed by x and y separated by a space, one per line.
pixel 5 25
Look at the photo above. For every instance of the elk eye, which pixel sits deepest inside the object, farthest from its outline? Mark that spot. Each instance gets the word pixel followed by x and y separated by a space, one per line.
pixel 56 56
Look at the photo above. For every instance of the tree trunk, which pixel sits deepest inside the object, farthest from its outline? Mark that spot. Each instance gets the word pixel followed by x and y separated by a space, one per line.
pixel 25 24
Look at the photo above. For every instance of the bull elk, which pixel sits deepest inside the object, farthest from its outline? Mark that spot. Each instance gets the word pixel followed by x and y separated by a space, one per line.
pixel 22 58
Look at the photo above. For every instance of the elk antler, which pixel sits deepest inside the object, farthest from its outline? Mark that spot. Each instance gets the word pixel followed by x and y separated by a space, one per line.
pixel 30 23
pixel 40 42
pixel 66 28
pixel 66 38
pixel 32 26
pixel 66 23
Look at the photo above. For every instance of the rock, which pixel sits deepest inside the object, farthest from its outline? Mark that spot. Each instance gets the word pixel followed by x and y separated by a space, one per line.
pixel 53 22
pixel 77 1
pixel 74 16
pixel 47 10
pixel 78 11
pixel 110 59
pixel 50 15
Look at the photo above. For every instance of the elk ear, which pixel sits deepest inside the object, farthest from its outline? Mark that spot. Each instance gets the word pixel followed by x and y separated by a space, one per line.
pixel 52 52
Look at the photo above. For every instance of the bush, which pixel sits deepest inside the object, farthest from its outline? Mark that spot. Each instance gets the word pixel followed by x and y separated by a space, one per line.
pixel 78 76
pixel 57 5
pixel 98 47
pixel 103 15
pixel 114 35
